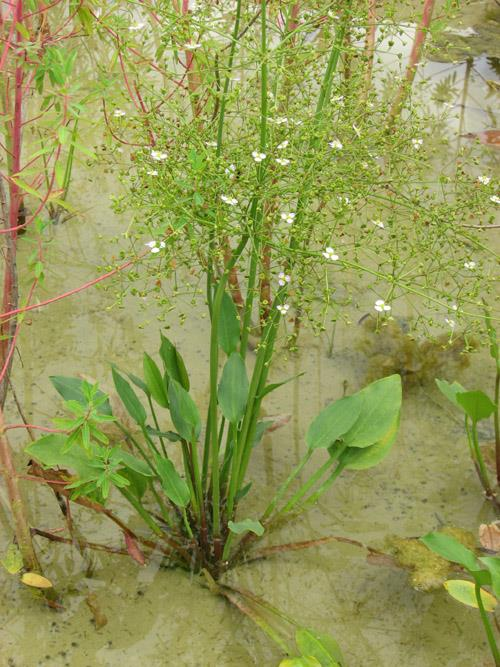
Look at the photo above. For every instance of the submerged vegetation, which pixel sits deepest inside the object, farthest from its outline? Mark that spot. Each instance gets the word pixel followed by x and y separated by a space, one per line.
pixel 274 177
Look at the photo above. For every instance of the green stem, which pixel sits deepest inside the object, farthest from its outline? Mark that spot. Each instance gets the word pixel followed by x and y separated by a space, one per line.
pixel 155 419
pixel 305 487
pixel 487 626
pixel 496 421
pixel 483 473
pixel 281 491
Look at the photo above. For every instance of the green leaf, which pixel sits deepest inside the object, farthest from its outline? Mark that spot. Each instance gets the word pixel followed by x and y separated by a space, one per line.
pixel 133 463
pixel 138 484
pixel 246 526
pixel 184 412
pixel 493 565
pixel 154 381
pixel 362 458
pixel 277 385
pixel 451 549
pixel 127 395
pixel 229 326
pixel 232 394
pixel 172 483
pixel 173 363
pixel 139 383
pixel 381 407
pixel 170 435
pixel 13 560
pixel 334 422
pixel 465 592
pixel 50 451
pixel 302 661
pixel 322 647
pixel 450 390
pixel 71 390
pixel 476 404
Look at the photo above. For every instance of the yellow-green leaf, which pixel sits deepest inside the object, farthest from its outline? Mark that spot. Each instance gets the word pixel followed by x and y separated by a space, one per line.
pixel 35 580
pixel 464 591
pixel 13 560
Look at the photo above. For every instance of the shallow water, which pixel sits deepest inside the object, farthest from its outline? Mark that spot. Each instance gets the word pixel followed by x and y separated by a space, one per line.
pixel 162 617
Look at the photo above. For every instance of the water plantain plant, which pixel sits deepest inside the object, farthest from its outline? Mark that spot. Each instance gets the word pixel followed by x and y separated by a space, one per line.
pixel 186 479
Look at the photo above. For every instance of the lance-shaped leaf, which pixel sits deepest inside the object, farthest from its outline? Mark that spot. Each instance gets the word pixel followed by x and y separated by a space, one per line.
pixel 322 647
pixel 233 389
pixel 465 592
pixel 129 399
pixel 381 407
pixel 173 363
pixel 334 422
pixel 172 483
pixel 451 549
pixel 229 326
pixel 184 412
pixel 154 381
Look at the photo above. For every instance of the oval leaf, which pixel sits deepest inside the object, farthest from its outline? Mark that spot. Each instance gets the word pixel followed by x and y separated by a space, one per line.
pixel 465 592
pixel 71 390
pixel 13 560
pixel 154 381
pixel 450 390
pixel 334 421
pixel 476 404
pixel 362 458
pixel 35 580
pixel 246 526
pixel 381 407
pixel 323 647
pixel 233 389
pixel 129 399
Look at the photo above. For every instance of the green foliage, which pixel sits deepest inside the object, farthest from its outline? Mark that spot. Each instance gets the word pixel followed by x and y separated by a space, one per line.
pixel 184 412
pixel 245 526
pixel 229 326
pixel 233 389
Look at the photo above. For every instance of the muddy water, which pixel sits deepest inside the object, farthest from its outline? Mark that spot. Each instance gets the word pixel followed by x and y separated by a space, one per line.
pixel 158 617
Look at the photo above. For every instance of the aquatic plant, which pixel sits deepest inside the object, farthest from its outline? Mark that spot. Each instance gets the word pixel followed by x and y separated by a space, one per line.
pixel 477 406
pixel 484 571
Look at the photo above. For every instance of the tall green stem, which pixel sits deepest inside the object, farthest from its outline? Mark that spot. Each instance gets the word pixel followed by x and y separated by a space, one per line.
pixel 487 626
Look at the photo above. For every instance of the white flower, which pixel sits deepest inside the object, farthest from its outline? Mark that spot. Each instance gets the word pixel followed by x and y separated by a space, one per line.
pixel 329 253
pixel 344 200
pixel 211 144
pixel 119 113
pixel 416 143
pixel 484 180
pixel 283 145
pixel 191 47
pixel 283 161
pixel 288 217
pixel 137 26
pixel 357 130
pixel 232 201
pixel 282 120
pixel 159 156
pixel 381 306
pixel 230 171
pixel 152 172
pixel 378 223
pixel 283 309
pixel 451 323
pixel 297 122
pixel 155 247
pixel 495 199
pixel 336 144
pixel 258 157
pixel 283 278
pixel 470 265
